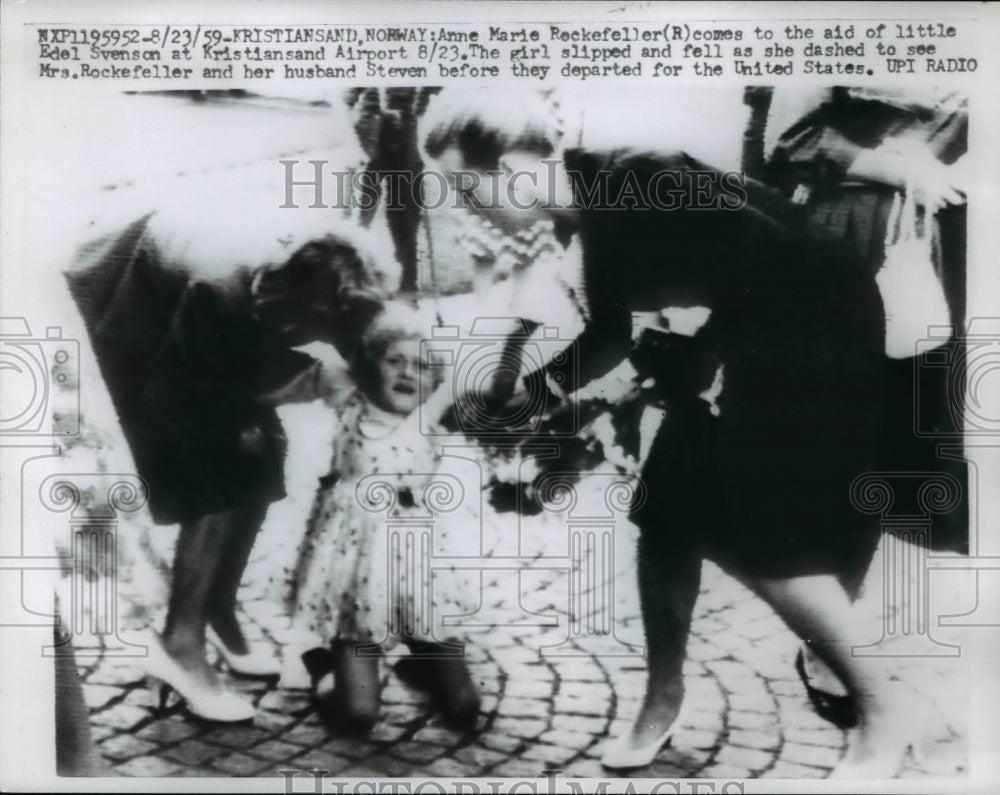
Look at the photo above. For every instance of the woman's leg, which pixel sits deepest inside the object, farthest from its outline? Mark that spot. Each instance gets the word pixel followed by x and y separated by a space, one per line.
pixel 669 580
pixel 683 501
pixel 239 534
pixel 818 610
pixel 200 556
pixel 851 575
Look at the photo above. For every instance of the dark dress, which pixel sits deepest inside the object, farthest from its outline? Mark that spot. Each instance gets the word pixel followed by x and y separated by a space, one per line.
pixel 765 486
pixel 811 154
pixel 188 368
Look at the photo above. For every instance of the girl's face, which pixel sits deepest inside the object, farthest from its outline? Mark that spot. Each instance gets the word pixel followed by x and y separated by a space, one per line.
pixel 402 380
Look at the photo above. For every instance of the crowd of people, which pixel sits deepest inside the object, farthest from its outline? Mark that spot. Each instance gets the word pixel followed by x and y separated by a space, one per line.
pixel 782 397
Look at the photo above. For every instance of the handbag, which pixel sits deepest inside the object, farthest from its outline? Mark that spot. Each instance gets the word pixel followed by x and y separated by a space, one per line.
pixel 911 289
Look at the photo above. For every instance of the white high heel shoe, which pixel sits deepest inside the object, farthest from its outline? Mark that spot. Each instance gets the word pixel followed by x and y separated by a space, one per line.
pixel 883 765
pixel 223 706
pixel 257 662
pixel 905 735
pixel 619 755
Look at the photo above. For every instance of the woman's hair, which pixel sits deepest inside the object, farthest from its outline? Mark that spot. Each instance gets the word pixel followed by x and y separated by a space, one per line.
pixel 398 320
pixel 325 267
pixel 485 123
pixel 337 280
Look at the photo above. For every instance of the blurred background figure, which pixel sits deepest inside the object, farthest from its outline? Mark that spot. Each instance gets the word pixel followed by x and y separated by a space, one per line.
pixel 385 121
pixel 842 155
pixel 76 754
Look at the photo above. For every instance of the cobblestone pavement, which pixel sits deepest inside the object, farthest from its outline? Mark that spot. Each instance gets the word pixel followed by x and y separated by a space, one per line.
pixel 749 717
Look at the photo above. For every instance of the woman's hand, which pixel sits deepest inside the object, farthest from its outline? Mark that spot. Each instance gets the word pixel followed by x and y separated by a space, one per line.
pixel 911 165
pixel 936 185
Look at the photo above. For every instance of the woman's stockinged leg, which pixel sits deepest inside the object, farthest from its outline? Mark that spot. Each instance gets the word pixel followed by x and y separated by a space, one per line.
pixel 818 610
pixel 683 504
pixel 200 547
pixel 851 574
pixel 669 580
pixel 239 532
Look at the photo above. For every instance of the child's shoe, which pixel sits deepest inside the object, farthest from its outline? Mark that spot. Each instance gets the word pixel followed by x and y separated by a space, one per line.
pixel 440 671
pixel 353 704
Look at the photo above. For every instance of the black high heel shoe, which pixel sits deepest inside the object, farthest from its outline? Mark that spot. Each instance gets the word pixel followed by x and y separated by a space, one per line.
pixel 841 711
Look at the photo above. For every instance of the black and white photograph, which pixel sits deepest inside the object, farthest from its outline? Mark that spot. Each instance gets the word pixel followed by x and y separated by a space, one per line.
pixel 499 407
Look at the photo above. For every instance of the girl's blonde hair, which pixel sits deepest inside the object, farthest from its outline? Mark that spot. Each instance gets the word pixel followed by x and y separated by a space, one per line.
pixel 398 320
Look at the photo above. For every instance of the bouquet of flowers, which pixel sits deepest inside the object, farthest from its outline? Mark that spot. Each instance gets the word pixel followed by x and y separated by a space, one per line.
pixel 611 421
pixel 601 425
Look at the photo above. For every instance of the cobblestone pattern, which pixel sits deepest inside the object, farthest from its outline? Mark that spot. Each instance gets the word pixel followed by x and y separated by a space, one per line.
pixel 749 719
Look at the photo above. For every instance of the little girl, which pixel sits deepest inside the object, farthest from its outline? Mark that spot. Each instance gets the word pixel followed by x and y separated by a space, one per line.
pixel 347 594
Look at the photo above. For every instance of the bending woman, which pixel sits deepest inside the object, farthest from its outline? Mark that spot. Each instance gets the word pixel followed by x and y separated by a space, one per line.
pixel 764 488
pixel 194 328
